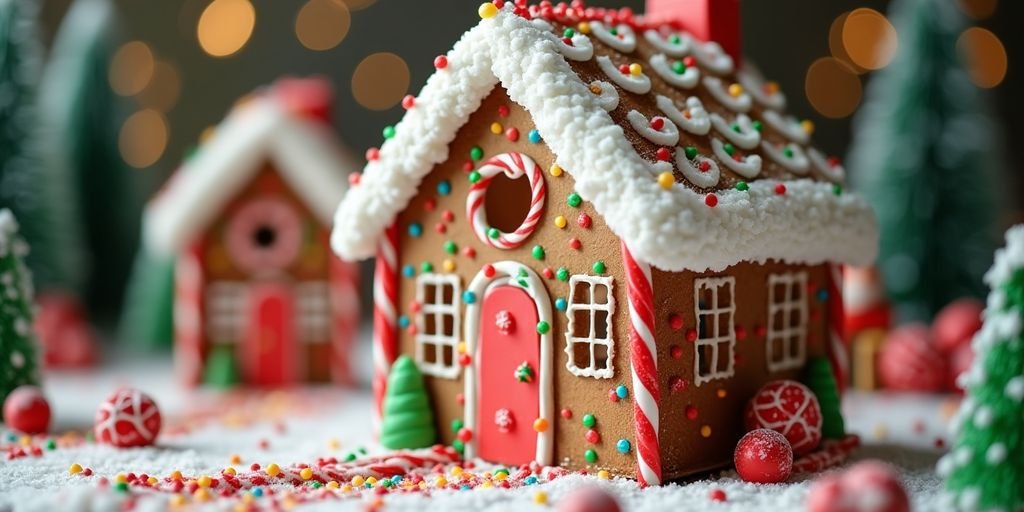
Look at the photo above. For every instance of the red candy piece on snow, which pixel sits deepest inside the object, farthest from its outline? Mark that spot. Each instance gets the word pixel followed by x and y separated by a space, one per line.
pixel 127 418
pixel 588 499
pixel 956 324
pixel 789 408
pixel 763 456
pixel 27 411
pixel 870 485
pixel 909 362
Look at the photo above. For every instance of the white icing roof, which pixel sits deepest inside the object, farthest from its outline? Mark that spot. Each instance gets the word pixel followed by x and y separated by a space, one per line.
pixel 671 229
pixel 304 152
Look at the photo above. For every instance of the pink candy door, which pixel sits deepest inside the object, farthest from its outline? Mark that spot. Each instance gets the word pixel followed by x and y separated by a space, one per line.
pixel 509 361
pixel 269 348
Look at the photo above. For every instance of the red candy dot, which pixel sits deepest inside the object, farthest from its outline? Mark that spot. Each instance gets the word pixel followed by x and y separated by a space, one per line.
pixel 503 111
pixel 711 200
pixel 441 62
pixel 408 101
pixel 464 360
pixel 460 398
pixel 429 205
pixel 584 221
pixel 624 69
pixel 489 270
pixel 469 252
pixel 592 436
pixel 691 335
pixel 464 434
pixel 512 134
pixel 575 244
pixel 566 413
pixel 548 273
pixel 612 397
pixel 663 154
pixel 690 61
pixel 675 321
pixel 658 123
pixel 355 178
pixel 372 154
pixel 675 351
pixel 677 384
pixel 440 228
pixel 780 189
pixel 467 166
pixel 741 333
pixel 717 495
pixel 691 412
pixel 760 331
pixel 447 216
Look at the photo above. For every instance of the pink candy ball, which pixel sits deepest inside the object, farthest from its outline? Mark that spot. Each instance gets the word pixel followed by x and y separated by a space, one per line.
pixel 27 411
pixel 909 362
pixel 588 499
pixel 763 456
pixel 869 486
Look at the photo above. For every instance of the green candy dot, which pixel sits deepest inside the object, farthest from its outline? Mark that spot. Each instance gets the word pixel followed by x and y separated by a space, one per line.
pixel 678 67
pixel 562 274
pixel 599 267
pixel 349 457
pixel 457 425
pixel 590 455
pixel 788 152
pixel 450 247
pixel 742 186
pixel 538 252
pixel 427 266
pixel 574 200
pixel 589 420
pixel 736 128
pixel 316 485
pixel 569 32
pixel 691 152
pixel 389 132
pixel 729 149
pixel 543 327
pixel 614 31
pixel 493 233
pixel 458 445
pixel 474 177
pixel 476 153
pixel 674 39
pixel 121 487
pixel 758 125
pixel 837 189
pixel 51 444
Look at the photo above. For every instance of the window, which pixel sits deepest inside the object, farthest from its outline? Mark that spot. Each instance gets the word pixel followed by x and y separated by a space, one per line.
pixel 787 321
pixel 314 312
pixel 437 324
pixel 225 303
pixel 716 336
pixel 588 337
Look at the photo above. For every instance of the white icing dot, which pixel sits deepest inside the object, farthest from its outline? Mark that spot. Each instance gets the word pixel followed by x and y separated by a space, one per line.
pixel 738 104
pixel 983 416
pixel 695 120
pixel 945 466
pixel 17 359
pixel 636 84
pixel 741 133
pixel 962 456
pixel 624 39
pixel 667 136
pixel 748 167
pixel 679 48
pixel 21 326
pixel 969 498
pixel 608 97
pixel 687 80
pixel 1015 388
pixel 995 453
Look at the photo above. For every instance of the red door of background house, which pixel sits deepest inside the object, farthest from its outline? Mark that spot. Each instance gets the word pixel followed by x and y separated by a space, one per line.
pixel 509 362
pixel 269 348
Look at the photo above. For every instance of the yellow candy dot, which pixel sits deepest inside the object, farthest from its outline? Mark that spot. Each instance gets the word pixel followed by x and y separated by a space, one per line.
pixel 636 69
pixel 176 475
pixel 152 480
pixel 457 470
pixel 487 485
pixel 346 488
pixel 448 265
pixel 584 27
pixel 808 126
pixel 560 222
pixel 75 469
pixel 540 497
pixel 357 481
pixel 202 494
pixel 604 474
pixel 881 431
pixel 501 476
pixel 440 482
pixel 555 170
pixel 705 431
pixel 596 89
pixel 371 480
pixel 177 500
pixel 487 10
pixel 204 481
pixel 26 440
pixel 229 471
pixel 121 478
pixel 666 180
pixel 273 469
pixel 540 425
pixel 496 128
pixel 735 90
pixel 236 459
pixel 461 347
pixel 722 393
pixel 306 473
pixel 333 444
pixel 771 87
pixel 422 485
pixel 333 484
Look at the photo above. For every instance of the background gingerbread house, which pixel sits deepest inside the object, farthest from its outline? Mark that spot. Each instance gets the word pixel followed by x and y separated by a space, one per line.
pixel 597 237
pixel 259 298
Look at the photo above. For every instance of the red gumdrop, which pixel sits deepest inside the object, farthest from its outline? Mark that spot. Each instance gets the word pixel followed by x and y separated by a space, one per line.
pixel 909 362
pixel 869 485
pixel 588 499
pixel 956 324
pixel 27 411
pixel 959 363
pixel 763 456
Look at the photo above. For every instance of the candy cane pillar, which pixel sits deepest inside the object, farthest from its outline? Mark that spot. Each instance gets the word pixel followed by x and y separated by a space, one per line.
pixel 385 317
pixel 644 368
pixel 837 355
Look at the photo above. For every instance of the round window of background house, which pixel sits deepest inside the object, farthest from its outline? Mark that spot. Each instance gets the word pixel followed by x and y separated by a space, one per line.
pixel 264 235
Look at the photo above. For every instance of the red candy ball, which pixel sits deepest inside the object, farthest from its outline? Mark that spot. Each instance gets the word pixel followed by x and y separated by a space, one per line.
pixel 789 408
pixel 959 363
pixel 869 485
pixel 588 499
pixel 27 411
pixel 763 456
pixel 956 324
pixel 128 418
pixel 909 362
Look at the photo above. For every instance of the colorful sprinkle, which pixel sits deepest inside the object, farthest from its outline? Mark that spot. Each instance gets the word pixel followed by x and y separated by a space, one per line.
pixel 448 265
pixel 450 247
pixel 599 267
pixel 540 425
pixel 562 274
pixel 584 221
pixel 543 327
pixel 440 62
pixel 621 391
pixel 561 304
pixel 590 456
pixel 389 132
pixel 426 266
pixel 444 187
pixel 534 136
pixel 574 200
pixel 476 153
pixel 468 297
pixel 512 134
pixel 623 446
pixel 666 180
pixel 555 170
pixel 493 233
pixel 742 186
pixel 408 101
pixel 538 252
pixel 487 10
pixel 415 230
pixel 497 128
pixel 592 436
pixel 711 200
pixel 560 222
pixel 589 420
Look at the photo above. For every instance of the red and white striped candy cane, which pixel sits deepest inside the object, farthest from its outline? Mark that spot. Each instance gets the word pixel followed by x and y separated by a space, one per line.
pixel 385 317
pixel 644 367
pixel 836 346
pixel 514 165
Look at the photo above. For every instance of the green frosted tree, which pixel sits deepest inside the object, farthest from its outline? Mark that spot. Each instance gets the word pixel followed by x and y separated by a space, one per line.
pixel 819 378
pixel 408 420
pixel 985 468
pixel 18 364
pixel 926 156
pixel 147 319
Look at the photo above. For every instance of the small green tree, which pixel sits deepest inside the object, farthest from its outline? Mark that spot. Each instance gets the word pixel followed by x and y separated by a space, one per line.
pixel 985 468
pixel 408 420
pixel 819 378
pixel 17 344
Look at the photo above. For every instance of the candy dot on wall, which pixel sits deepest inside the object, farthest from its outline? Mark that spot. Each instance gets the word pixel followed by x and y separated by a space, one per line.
pixel 590 456
pixel 623 446
pixel 589 420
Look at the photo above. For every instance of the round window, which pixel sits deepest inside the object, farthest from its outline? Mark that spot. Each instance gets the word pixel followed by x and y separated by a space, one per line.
pixel 506 200
pixel 264 235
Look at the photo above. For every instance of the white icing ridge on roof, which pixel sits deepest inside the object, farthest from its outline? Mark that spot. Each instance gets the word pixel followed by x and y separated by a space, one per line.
pixel 305 153
pixel 671 229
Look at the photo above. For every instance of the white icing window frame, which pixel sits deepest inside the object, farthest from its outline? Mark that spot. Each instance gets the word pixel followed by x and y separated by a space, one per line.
pixel 787 334
pixel 225 311
pixel 313 305
pixel 436 307
pixel 608 371
pixel 709 338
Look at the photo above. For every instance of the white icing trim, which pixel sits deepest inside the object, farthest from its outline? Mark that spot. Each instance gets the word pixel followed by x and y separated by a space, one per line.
pixel 662 44
pixel 792 283
pixel 788 126
pixel 835 174
pixel 581 50
pixel 752 82
pixel 636 84
pixel 740 104
pixel 667 136
pixel 711 339
pixel 747 138
pixel 305 153
pixel 699 178
pixel 507 273
pixel 624 44
pixel 591 338
pixel 699 122
pixel 687 80
pixel 436 306
pixel 609 97
pixel 711 56
pixel 670 229
pixel 797 164
pixel 749 167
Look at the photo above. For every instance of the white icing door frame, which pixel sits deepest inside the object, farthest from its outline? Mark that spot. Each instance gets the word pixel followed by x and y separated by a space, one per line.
pixel 513 274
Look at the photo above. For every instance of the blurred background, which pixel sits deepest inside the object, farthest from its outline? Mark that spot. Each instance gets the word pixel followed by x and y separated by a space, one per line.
pixel 136 86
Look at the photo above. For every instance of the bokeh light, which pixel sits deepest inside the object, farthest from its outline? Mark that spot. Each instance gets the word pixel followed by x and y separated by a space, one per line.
pixel 380 81
pixel 164 89
pixel 225 26
pixel 979 9
pixel 833 88
pixel 869 39
pixel 131 69
pixel 322 24
pixel 985 56
pixel 143 138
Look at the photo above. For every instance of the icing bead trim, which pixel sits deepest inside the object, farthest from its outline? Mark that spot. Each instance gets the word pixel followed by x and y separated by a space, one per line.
pixel 581 49
pixel 687 80
pixel 711 56
pixel 796 162
pixel 748 167
pixel 667 136
pixel 680 49
pixel 515 166
pixel 608 97
pixel 701 178
pixel 636 84
pixel 752 82
pixel 740 104
pixel 833 172
pixel 747 137
pixel 788 126
pixel 624 42
pixel 698 122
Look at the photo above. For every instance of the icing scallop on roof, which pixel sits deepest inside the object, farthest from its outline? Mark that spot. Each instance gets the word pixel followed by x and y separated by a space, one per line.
pixel 760 209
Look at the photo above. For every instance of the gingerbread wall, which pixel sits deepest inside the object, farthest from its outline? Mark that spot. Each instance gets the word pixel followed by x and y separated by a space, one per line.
pixel 438 215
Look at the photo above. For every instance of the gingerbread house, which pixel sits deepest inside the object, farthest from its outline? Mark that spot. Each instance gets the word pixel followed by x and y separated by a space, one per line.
pixel 598 236
pixel 259 298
